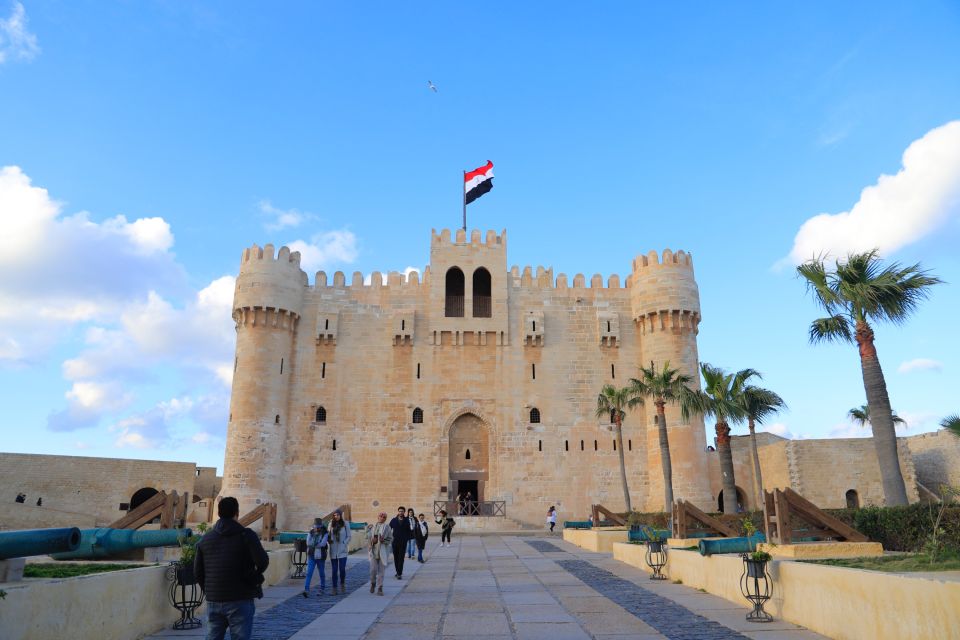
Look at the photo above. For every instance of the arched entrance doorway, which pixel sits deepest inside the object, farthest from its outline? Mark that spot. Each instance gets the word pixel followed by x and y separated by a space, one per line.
pixel 469 461
pixel 140 496
pixel 741 501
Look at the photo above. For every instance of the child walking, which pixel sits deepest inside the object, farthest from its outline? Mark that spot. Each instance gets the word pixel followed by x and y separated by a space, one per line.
pixel 446 526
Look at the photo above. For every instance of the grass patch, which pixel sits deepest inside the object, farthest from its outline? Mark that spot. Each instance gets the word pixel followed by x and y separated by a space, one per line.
pixel 71 570
pixel 898 563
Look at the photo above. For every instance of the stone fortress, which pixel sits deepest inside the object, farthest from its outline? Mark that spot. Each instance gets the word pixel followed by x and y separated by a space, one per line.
pixel 481 378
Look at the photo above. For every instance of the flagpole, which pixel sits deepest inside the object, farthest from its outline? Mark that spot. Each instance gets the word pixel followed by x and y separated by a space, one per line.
pixel 464 191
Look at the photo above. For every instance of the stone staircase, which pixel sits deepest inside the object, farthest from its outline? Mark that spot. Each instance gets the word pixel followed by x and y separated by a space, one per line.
pixel 467 525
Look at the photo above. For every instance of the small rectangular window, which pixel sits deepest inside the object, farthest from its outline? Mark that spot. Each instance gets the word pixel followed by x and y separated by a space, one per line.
pixel 594 445
pixel 534 325
pixel 124 506
pixel 566 445
pixel 326 324
pixel 539 445
pixel 334 445
pixel 629 445
pixel 614 445
pixel 581 446
pixel 323 370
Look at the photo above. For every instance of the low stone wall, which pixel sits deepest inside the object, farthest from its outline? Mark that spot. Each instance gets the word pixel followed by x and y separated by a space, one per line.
pixel 600 540
pixel 841 603
pixel 17 515
pixel 119 604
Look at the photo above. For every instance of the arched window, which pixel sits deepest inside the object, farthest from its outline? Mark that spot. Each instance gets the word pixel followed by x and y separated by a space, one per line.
pixel 468 454
pixel 321 414
pixel 853 500
pixel 482 301
pixel 534 416
pixel 454 288
pixel 418 416
pixel 141 496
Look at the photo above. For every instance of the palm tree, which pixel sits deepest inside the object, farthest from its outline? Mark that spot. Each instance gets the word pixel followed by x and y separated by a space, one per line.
pixel 952 424
pixel 854 294
pixel 612 402
pixel 861 416
pixel 721 399
pixel 661 387
pixel 759 404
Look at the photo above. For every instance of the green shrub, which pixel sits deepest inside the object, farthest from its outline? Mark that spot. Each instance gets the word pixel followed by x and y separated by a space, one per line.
pixel 904 528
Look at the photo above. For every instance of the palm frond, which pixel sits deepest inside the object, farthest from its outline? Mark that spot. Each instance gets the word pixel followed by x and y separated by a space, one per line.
pixel 831 329
pixel 760 403
pixel 814 273
pixel 952 424
pixel 861 416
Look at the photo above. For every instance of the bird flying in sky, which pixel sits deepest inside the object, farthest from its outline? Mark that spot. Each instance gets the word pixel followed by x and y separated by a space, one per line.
pixel 431 86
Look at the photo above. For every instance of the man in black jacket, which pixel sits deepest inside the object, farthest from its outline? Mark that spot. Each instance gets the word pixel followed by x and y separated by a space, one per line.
pixel 229 567
pixel 401 535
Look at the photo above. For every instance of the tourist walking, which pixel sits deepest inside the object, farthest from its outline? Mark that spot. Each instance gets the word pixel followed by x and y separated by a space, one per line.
pixel 338 538
pixel 401 535
pixel 412 544
pixel 552 518
pixel 379 541
pixel 422 533
pixel 446 526
pixel 229 567
pixel 316 555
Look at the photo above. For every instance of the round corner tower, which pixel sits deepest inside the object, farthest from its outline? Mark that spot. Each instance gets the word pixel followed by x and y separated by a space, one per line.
pixel 267 305
pixel 665 303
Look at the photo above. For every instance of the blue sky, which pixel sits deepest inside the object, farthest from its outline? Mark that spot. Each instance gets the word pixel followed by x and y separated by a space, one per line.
pixel 145 144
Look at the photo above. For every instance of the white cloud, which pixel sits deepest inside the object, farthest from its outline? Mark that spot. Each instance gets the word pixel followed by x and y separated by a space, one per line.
pixel 920 364
pixel 16 42
pixel 156 427
pixel 282 218
pixel 778 429
pixel 325 249
pixel 896 211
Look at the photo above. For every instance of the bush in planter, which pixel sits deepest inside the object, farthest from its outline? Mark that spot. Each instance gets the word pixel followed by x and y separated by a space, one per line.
pixel 188 553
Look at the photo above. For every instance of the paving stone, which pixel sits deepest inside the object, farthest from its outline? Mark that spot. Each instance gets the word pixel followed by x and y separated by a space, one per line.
pixel 475 623
pixel 542 631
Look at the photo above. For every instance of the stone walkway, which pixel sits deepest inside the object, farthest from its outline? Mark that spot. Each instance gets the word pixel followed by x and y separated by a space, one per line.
pixel 496 587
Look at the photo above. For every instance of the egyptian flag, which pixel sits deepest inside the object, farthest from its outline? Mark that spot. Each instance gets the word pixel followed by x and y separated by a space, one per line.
pixel 477 182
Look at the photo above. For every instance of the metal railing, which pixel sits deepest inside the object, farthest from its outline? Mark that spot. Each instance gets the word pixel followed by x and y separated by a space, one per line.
pixel 487 508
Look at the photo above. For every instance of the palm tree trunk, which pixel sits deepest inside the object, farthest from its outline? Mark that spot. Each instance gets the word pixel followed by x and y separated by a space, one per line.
pixel 623 466
pixel 757 476
pixel 881 418
pixel 665 458
pixel 726 468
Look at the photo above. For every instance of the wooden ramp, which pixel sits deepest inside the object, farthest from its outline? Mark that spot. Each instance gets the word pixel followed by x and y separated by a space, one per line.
pixel 691 522
pixel 599 510
pixel 169 507
pixel 788 517
pixel 266 512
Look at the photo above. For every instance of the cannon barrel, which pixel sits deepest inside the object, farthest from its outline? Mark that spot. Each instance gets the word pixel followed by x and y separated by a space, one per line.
pixel 37 542
pixel 731 545
pixel 104 543
pixel 288 537
pixel 643 535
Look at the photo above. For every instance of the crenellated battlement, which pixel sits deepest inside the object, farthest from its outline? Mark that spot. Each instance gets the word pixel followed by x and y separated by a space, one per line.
pixel 459 238
pixel 544 279
pixel 653 260
pixel 265 253
pixel 393 280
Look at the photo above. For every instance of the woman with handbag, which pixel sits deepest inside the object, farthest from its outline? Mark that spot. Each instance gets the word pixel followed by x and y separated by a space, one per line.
pixel 379 542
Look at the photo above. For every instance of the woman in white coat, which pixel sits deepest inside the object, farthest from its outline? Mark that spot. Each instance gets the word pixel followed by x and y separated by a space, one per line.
pixel 379 544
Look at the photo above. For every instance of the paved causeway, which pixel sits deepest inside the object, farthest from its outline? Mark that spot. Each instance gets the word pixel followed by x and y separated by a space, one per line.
pixel 496 587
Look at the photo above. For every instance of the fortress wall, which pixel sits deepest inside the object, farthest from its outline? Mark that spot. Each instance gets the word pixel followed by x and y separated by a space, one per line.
pixel 824 470
pixel 936 457
pixel 93 486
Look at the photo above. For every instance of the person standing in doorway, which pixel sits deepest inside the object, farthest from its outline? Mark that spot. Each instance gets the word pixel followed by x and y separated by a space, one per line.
pixel 471 507
pixel 552 518
pixel 379 541
pixel 446 526
pixel 412 544
pixel 339 540
pixel 229 566
pixel 401 535
pixel 461 504
pixel 316 555
pixel 422 532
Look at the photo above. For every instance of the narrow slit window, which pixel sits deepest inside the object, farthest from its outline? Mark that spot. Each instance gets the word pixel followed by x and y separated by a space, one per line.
pixel 276 419
pixel 614 445
pixel 613 371
pixel 281 366
pixel 403 325
pixel 594 445
pixel 323 370
pixel 418 371
pixel 629 445
pixel 534 416
pixel 539 445
pixel 468 454
pixel 534 326
pixel 608 326
pixel 581 446
pixel 334 445
pixel 566 445
pixel 533 370
pixel 326 324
